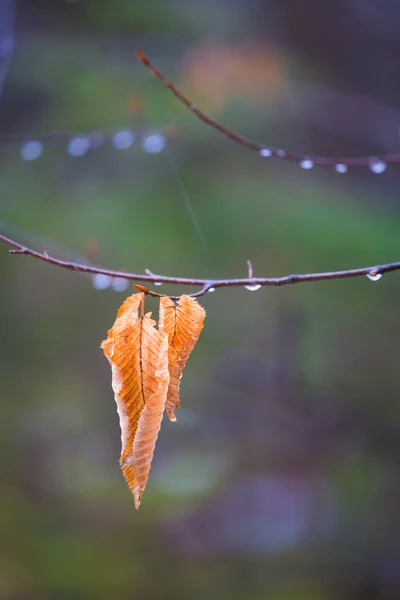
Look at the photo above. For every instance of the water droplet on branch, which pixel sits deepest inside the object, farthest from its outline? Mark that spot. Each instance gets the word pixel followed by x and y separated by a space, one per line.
pixel 374 276
pixel 211 289
pixel 378 166
pixel 31 150
pixel 265 152
pixel 306 164
pixel 100 281
pixel 78 146
pixel 253 287
pixel 123 140
pixel 154 143
pixel 119 284
pixel 340 168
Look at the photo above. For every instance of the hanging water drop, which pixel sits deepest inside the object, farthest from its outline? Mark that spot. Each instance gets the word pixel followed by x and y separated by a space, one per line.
pixel 154 143
pixel 281 153
pixel 31 150
pixel 211 289
pixel 265 152
pixel 119 284
pixel 123 140
pixel 158 283
pixel 341 168
pixel 78 146
pixel 306 164
pixel 100 281
pixel 378 166
pixel 374 276
pixel 253 287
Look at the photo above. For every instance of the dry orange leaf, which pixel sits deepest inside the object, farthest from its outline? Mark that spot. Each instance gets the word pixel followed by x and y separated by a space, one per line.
pixel 182 323
pixel 138 354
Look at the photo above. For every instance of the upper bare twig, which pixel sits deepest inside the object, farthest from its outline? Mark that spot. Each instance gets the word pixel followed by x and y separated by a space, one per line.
pixel 377 164
pixel 251 283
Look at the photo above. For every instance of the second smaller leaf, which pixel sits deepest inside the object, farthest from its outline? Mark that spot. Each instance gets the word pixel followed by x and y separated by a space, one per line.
pixel 182 323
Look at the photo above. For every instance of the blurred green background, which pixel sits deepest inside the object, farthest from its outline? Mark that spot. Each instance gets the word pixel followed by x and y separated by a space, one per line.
pixel 281 478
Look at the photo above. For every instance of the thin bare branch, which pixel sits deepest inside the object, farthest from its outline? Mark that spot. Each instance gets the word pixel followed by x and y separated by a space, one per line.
pixel 377 163
pixel 206 285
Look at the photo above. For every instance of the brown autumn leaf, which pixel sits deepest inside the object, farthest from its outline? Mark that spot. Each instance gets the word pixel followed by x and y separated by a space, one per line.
pixel 138 354
pixel 182 323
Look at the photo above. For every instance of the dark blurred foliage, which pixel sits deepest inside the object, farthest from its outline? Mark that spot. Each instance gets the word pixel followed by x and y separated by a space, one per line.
pixel 281 478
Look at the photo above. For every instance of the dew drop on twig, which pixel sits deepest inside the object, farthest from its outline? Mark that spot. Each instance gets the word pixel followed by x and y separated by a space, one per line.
pixel 378 166
pixel 341 168
pixel 211 289
pixel 119 284
pixel 122 140
pixel 265 152
pixel 31 150
pixel 100 281
pixel 78 146
pixel 374 276
pixel 154 143
pixel 158 283
pixel 253 287
pixel 306 164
